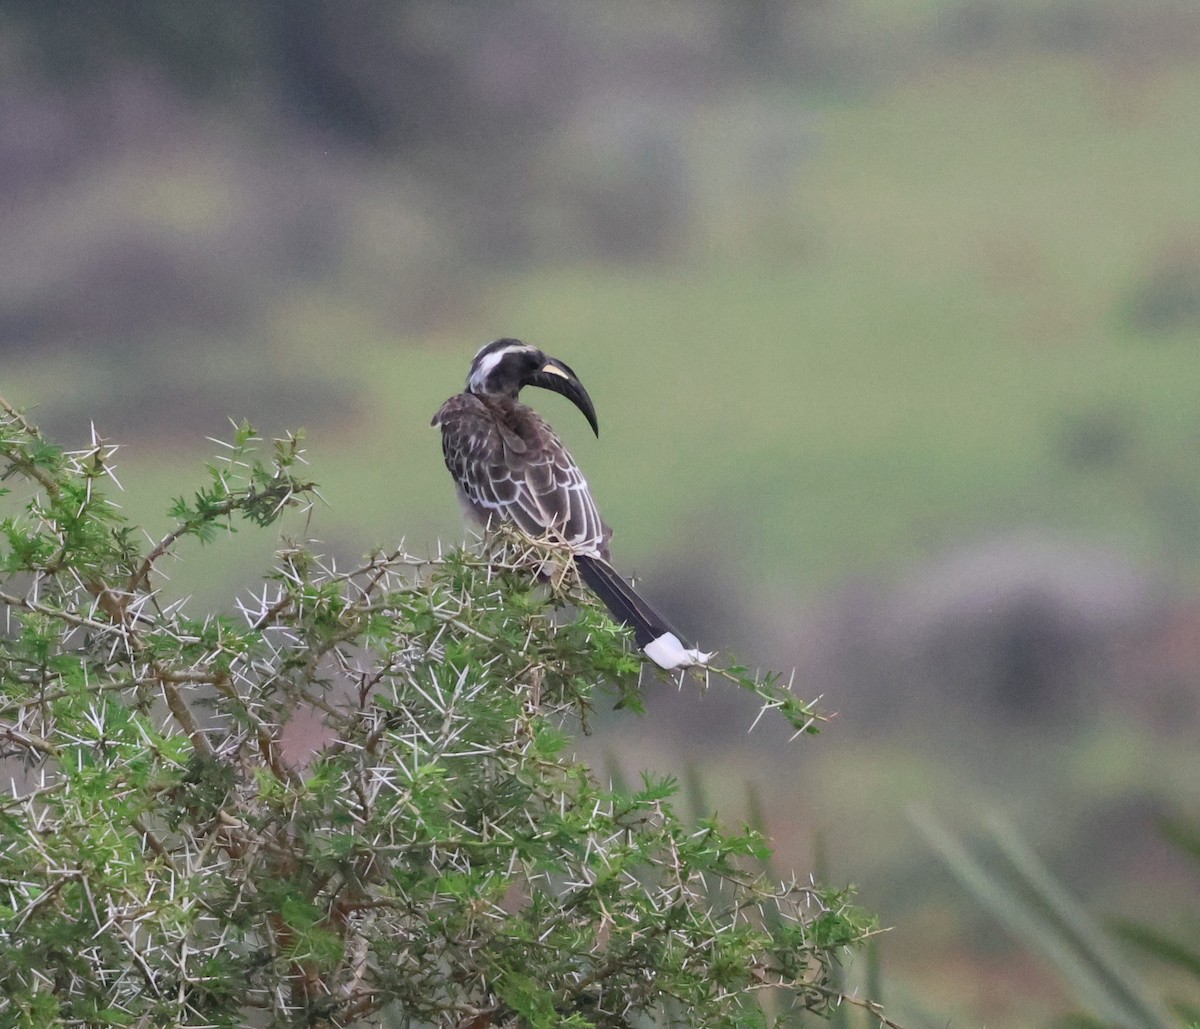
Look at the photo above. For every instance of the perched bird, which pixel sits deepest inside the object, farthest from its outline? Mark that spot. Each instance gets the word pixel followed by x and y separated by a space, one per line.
pixel 509 466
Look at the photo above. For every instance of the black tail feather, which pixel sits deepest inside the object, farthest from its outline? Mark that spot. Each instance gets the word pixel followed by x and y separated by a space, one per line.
pixel 621 600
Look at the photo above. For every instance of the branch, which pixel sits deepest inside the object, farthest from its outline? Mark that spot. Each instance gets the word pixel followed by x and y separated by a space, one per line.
pixel 47 481
pixel 869 1006
pixel 29 741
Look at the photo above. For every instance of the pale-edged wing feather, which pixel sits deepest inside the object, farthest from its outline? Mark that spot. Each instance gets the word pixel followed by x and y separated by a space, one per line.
pixel 510 465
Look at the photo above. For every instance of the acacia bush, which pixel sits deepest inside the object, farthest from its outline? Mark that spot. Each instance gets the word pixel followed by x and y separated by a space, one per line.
pixel 440 859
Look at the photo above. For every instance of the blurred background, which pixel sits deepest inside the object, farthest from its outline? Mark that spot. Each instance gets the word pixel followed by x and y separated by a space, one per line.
pixel 891 314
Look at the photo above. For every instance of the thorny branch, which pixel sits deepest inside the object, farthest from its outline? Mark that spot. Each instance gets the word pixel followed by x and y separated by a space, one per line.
pixel 436 853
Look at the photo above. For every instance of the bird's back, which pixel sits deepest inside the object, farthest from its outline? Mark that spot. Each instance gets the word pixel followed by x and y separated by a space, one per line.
pixel 510 465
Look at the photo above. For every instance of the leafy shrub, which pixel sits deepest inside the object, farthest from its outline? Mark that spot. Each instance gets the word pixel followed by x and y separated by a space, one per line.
pixel 440 859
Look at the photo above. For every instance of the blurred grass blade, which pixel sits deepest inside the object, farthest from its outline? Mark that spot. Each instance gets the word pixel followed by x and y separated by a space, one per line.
pixel 1076 1020
pixel 1056 925
pixel 695 792
pixel 1188 1012
pixel 874 971
pixel 1082 931
pixel 616 772
pixel 757 819
pixel 1159 945
pixel 1183 836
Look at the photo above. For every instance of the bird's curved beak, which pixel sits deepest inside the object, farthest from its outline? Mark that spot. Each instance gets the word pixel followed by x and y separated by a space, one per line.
pixel 557 376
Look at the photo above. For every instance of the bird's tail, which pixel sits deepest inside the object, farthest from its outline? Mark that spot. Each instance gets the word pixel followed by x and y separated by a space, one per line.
pixel 653 633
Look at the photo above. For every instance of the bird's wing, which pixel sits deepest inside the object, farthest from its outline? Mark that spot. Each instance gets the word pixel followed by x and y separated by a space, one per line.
pixel 516 469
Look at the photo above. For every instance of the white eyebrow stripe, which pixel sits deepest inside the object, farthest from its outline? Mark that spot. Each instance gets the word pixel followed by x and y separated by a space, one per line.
pixel 483 370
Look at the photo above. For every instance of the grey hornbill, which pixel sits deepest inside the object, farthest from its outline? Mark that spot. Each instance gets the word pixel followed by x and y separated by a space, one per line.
pixel 509 465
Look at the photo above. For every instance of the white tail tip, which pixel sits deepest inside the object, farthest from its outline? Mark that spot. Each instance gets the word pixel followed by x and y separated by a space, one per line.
pixel 667 652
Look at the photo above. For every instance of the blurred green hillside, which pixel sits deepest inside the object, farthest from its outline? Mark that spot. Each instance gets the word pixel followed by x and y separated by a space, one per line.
pixel 946 342
pixel 862 298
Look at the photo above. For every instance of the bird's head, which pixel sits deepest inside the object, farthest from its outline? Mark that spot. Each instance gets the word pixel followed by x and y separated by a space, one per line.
pixel 505 366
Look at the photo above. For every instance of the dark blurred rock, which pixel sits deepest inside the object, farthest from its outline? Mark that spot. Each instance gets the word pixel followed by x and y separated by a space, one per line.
pixel 1024 630
pixel 1098 438
pixel 1166 298
pixel 156 407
